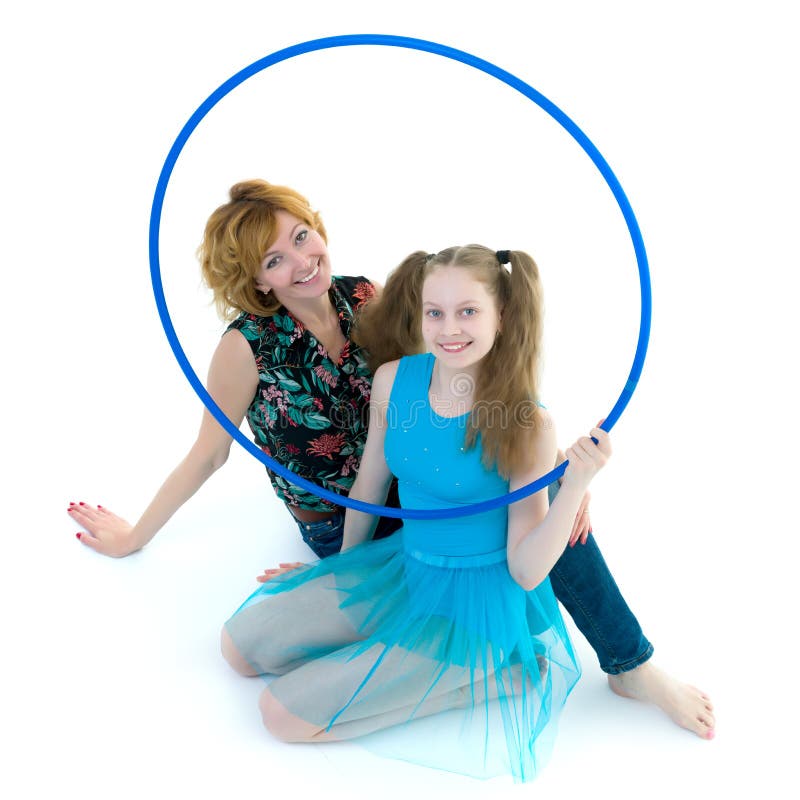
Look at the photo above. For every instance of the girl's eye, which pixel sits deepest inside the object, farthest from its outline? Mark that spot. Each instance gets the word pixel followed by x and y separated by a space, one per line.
pixel 273 262
pixel 434 314
pixel 468 312
pixel 301 237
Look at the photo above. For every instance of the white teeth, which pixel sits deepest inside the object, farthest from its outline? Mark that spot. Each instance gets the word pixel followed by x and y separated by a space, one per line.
pixel 453 348
pixel 311 276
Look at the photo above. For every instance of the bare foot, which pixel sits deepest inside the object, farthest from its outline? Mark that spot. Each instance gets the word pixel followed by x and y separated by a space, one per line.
pixel 685 705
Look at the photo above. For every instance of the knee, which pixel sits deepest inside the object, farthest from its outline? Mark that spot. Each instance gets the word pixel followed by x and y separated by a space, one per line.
pixel 280 723
pixel 232 655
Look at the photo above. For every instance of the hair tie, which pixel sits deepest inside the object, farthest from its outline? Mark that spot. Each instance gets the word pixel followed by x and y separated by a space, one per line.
pixel 430 256
pixel 503 256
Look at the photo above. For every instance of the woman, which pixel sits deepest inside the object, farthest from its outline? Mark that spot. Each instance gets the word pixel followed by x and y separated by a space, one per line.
pixel 449 615
pixel 264 256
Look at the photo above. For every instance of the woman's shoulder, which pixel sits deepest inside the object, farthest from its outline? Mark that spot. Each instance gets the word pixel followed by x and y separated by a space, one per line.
pixel 357 289
pixel 265 333
pixel 247 321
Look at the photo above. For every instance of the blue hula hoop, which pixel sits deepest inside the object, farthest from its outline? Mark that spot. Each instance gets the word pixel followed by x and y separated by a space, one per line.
pixel 501 75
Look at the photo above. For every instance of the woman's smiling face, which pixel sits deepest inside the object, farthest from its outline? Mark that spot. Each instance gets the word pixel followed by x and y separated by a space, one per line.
pixel 297 266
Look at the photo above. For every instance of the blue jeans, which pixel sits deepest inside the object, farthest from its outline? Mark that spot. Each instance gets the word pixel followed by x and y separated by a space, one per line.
pixel 581 581
pixel 586 588
pixel 325 537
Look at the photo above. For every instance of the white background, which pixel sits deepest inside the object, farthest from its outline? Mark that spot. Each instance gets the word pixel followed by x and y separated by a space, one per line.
pixel 111 682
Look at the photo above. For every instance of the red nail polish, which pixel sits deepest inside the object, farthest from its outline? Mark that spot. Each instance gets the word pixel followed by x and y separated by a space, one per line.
pixel 82 503
pixel 99 506
pixel 77 536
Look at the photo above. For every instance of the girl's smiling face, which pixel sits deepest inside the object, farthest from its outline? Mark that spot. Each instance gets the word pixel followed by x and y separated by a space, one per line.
pixel 460 318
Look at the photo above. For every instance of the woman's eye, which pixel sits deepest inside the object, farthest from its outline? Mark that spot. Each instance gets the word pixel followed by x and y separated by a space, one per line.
pixel 301 237
pixel 273 262
pixel 468 312
pixel 434 314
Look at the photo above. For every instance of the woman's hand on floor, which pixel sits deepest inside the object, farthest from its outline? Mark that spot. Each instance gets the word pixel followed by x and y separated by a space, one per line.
pixel 104 531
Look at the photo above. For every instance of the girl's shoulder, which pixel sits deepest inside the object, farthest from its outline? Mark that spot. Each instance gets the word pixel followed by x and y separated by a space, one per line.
pixel 404 381
pixel 403 366
pixel 383 380
pixel 402 378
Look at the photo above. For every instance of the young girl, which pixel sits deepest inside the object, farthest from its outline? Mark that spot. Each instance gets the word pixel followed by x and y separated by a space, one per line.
pixel 450 626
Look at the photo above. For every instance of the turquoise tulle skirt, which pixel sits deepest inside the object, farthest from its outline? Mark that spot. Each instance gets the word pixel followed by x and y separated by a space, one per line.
pixel 444 661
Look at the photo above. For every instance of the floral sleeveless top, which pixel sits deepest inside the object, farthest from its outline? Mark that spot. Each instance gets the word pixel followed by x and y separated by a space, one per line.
pixel 309 413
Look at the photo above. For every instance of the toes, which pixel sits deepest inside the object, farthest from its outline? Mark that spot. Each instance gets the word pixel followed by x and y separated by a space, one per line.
pixel 700 692
pixel 705 726
pixel 703 730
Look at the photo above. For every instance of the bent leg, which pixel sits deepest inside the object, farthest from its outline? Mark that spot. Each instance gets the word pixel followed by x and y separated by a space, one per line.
pixel 281 632
pixel 232 655
pixel 584 585
pixel 351 694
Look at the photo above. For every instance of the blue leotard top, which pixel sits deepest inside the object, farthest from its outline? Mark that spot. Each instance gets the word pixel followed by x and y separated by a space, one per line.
pixel 426 453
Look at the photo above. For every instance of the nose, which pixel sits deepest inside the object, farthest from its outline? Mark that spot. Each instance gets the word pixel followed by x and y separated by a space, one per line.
pixel 451 326
pixel 298 259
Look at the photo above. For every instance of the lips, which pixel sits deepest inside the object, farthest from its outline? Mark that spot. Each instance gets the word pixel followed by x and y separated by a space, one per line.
pixel 455 347
pixel 310 277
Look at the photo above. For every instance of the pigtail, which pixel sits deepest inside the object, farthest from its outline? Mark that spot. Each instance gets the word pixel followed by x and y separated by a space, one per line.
pixel 519 344
pixel 390 326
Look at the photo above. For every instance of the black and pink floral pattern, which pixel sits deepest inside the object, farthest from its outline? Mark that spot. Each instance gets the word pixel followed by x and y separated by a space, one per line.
pixel 309 413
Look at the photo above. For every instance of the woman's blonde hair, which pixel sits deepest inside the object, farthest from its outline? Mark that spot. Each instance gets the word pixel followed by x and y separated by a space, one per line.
pixel 506 390
pixel 238 235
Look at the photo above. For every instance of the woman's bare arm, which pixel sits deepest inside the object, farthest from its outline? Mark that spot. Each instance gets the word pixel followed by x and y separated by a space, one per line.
pixel 232 382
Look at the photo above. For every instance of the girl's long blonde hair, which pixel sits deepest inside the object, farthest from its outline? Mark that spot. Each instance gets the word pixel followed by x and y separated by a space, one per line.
pixel 506 390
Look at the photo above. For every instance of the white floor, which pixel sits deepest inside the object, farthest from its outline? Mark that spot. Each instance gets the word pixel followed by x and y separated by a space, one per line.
pixel 120 685
pixel 112 685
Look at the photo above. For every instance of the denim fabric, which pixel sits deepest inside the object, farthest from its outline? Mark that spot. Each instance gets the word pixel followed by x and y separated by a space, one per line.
pixel 581 581
pixel 325 537
pixel 586 588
